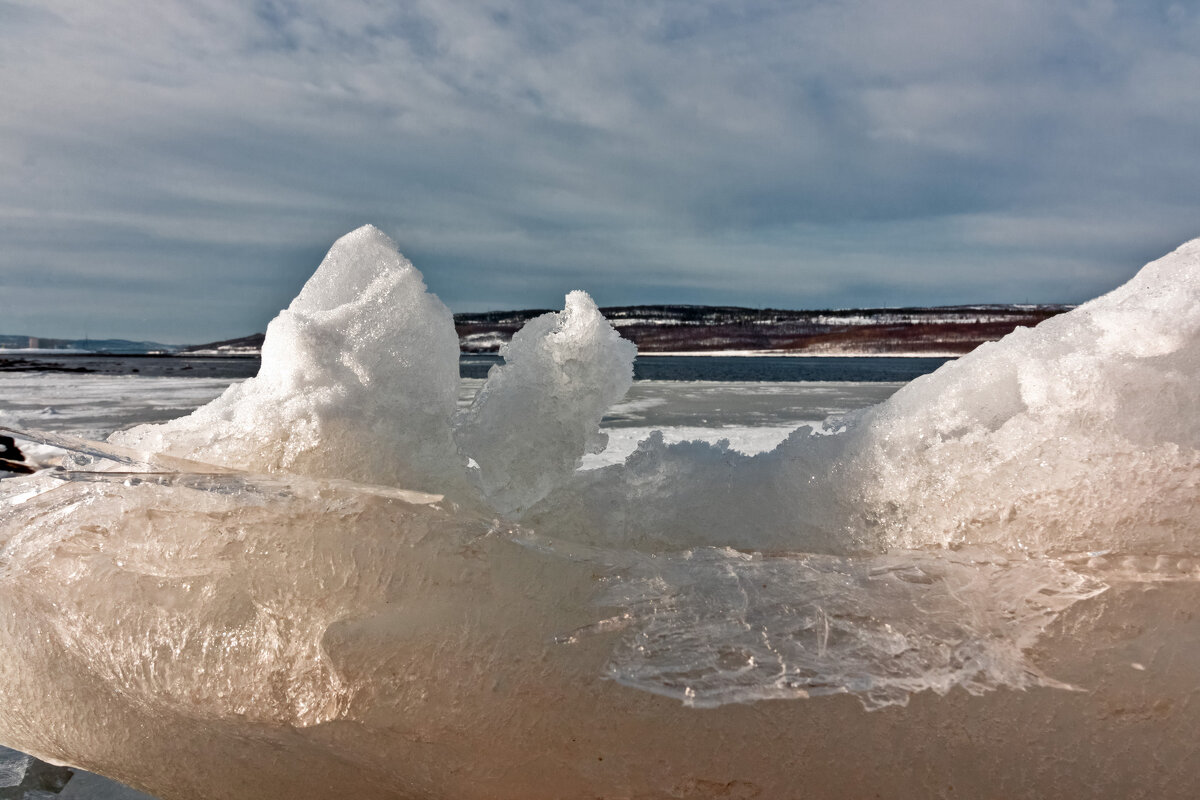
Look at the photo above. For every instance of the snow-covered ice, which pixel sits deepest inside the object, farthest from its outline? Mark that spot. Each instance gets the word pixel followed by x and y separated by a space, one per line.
pixel 94 406
pixel 359 379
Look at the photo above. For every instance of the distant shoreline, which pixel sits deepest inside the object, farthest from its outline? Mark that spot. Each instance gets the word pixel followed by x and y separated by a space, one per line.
pixel 674 330
pixel 10 358
pixel 794 354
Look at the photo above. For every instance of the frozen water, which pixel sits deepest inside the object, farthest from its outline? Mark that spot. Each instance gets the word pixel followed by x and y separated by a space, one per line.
pixel 255 591
pixel 624 440
pixel 711 630
pixel 754 417
pixel 96 405
pixel 539 413
pixel 1017 444
pixel 1022 442
pixel 359 379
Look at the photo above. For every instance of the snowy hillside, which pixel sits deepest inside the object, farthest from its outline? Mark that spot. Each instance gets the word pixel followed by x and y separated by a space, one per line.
pixel 673 329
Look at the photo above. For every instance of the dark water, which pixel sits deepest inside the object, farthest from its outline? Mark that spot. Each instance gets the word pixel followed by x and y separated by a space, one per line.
pixel 782 368
pixel 652 368
pixel 150 366
pixel 752 368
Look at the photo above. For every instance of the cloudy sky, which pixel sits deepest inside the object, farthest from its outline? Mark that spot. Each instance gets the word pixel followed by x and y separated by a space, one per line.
pixel 175 169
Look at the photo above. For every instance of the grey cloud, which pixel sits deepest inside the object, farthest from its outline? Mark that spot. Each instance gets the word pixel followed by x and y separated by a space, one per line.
pixel 814 153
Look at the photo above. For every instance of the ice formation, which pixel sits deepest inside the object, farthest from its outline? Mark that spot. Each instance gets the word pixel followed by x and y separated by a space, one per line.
pixel 254 591
pixel 538 414
pixel 359 380
pixel 1017 444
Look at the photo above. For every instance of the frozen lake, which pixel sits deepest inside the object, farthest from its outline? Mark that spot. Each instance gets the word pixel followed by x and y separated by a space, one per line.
pixel 753 415
pixel 343 579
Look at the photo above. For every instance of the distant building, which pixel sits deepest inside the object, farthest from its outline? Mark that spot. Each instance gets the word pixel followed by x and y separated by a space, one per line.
pixel 34 343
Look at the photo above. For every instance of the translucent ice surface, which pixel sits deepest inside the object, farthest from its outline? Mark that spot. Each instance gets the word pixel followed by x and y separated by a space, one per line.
pixel 327 582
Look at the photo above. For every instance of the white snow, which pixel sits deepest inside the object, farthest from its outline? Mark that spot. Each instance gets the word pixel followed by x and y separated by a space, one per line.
pixel 484 341
pixel 227 350
pixel 623 441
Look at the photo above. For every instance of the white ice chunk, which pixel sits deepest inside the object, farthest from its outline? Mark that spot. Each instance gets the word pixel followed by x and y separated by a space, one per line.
pixel 539 413
pixel 359 380
pixel 1022 444
pixel 1078 434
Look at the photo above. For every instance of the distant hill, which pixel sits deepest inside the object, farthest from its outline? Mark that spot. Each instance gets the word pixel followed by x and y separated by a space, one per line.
pixel 857 331
pixel 246 345
pixel 710 329
pixel 116 346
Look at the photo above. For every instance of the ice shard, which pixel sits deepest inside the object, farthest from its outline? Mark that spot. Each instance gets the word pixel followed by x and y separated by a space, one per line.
pixel 539 413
